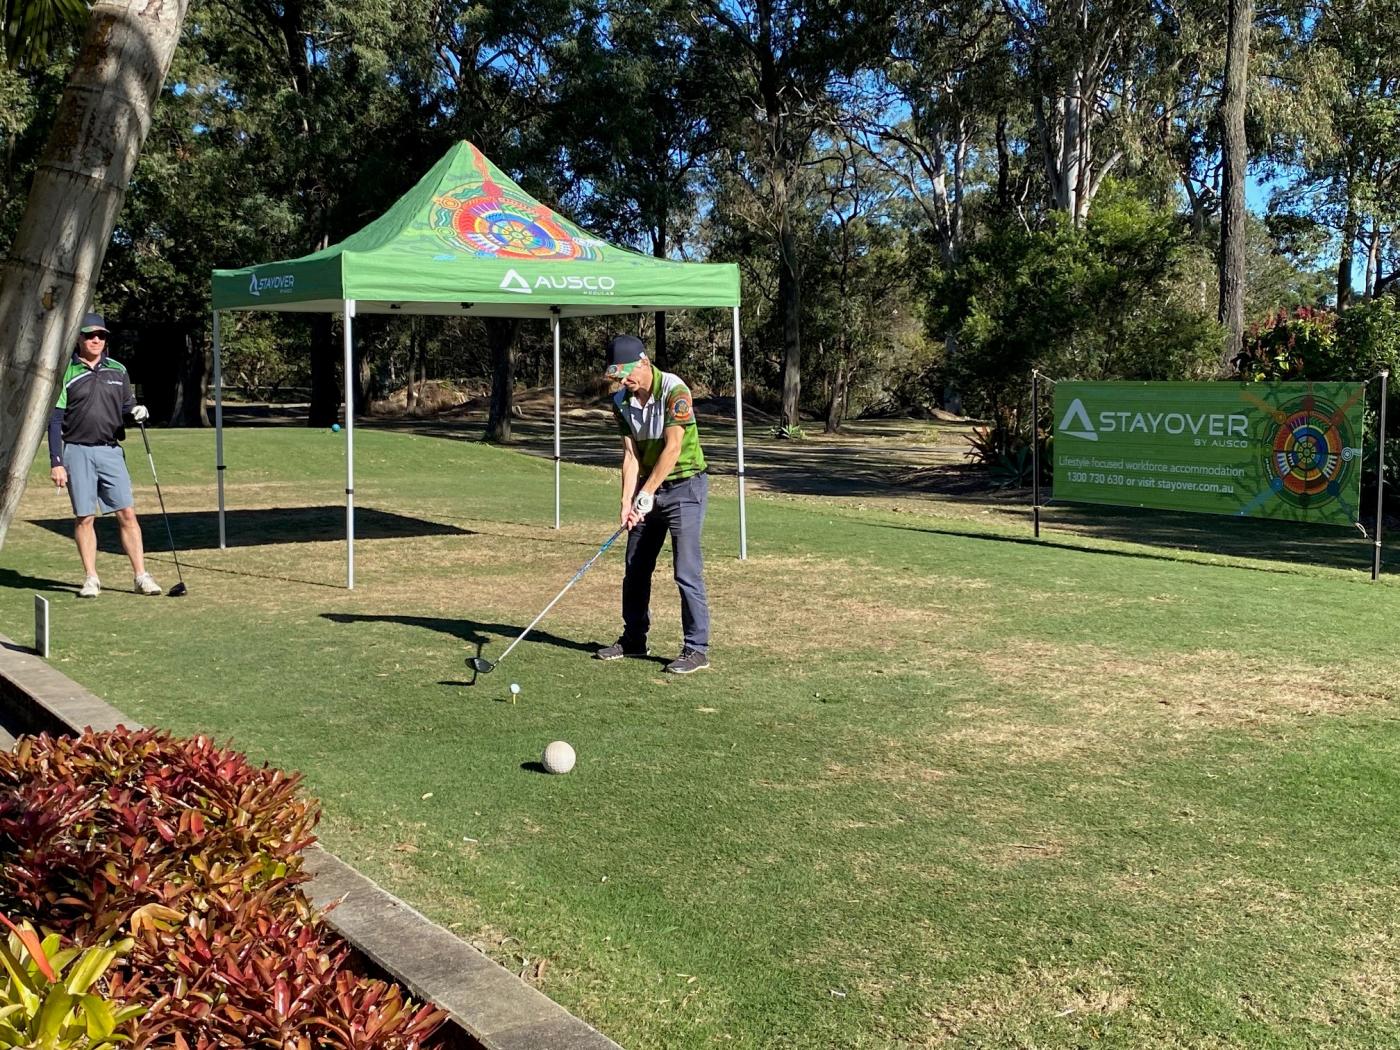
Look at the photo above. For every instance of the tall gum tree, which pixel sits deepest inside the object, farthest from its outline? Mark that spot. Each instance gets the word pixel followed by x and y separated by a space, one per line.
pixel 77 192
pixel 1234 154
pixel 791 58
pixel 1077 60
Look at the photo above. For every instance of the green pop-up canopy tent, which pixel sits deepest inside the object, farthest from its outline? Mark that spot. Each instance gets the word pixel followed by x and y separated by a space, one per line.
pixel 467 241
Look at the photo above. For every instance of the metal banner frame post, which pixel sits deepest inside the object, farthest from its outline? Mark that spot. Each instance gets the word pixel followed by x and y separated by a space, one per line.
pixel 1035 450
pixel 1380 481
pixel 218 429
pixel 739 434
pixel 347 335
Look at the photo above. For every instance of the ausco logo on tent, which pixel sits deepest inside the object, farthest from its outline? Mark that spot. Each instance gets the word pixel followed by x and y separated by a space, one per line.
pixel 1076 423
pixel 281 283
pixel 590 285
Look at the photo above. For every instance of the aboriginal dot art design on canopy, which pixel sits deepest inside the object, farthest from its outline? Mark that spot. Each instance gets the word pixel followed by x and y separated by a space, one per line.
pixel 485 219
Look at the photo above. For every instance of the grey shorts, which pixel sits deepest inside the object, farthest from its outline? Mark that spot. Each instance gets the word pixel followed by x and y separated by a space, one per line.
pixel 97 478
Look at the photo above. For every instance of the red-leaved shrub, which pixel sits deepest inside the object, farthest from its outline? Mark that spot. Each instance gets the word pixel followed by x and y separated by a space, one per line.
pixel 196 855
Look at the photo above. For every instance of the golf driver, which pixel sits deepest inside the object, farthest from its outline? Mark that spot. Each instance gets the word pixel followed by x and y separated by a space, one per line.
pixel 484 666
pixel 179 590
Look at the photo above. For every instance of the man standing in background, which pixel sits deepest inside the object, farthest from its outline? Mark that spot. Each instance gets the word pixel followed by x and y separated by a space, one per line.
pixel 86 457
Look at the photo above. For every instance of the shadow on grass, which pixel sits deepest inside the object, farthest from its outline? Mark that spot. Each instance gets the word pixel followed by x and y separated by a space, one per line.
pixel 1294 543
pixel 18 581
pixel 534 767
pixel 196 530
pixel 472 632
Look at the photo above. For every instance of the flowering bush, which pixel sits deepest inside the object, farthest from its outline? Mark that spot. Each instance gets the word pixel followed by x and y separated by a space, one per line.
pixel 1290 346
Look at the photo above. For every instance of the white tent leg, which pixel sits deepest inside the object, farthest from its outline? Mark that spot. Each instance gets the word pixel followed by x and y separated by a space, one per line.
pixel 554 325
pixel 739 431
pixel 347 315
pixel 218 429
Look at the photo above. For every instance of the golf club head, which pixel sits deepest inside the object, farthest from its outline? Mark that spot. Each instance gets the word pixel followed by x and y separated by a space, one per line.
pixel 480 664
pixel 179 590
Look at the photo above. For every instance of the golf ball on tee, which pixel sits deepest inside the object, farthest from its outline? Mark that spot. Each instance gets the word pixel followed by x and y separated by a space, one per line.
pixel 335 428
pixel 558 757
pixel 514 689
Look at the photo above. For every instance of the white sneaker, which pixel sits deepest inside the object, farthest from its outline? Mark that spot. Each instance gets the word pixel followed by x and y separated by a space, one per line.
pixel 145 584
pixel 91 587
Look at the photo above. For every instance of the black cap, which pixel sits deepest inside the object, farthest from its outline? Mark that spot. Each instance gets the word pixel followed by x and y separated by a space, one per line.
pixel 92 323
pixel 624 351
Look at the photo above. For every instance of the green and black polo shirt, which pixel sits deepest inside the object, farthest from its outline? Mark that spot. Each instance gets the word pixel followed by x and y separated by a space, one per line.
pixel 91 406
pixel 670 406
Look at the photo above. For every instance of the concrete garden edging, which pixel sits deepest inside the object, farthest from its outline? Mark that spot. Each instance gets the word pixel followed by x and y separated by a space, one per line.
pixel 489 1007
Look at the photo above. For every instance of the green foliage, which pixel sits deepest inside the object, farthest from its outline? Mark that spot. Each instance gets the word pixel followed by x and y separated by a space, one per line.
pixel 35 29
pixel 1104 301
pixel 1003 448
pixel 788 433
pixel 47 997
pixel 196 854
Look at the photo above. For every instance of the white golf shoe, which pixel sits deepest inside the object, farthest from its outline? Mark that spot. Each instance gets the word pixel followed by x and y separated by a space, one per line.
pixel 145 584
pixel 91 587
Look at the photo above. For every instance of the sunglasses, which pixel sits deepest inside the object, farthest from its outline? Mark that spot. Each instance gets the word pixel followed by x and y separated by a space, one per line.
pixel 95 335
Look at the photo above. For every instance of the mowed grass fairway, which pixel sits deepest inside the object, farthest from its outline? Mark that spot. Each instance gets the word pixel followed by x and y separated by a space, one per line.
pixel 944 786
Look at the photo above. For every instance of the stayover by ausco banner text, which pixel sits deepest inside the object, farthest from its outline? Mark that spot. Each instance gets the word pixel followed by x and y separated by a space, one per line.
pixel 1265 450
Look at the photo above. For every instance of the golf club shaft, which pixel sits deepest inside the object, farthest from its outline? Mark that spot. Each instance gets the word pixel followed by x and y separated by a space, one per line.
pixel 169 535
pixel 577 576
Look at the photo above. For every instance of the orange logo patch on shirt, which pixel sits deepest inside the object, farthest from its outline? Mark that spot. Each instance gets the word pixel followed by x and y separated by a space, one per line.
pixel 680 410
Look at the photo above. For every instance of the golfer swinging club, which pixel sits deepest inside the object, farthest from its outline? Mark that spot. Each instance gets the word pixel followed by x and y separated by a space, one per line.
pixel 85 456
pixel 664 489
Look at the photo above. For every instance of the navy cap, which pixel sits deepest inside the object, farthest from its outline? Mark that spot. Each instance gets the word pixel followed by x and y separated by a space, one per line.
pixel 624 351
pixel 93 323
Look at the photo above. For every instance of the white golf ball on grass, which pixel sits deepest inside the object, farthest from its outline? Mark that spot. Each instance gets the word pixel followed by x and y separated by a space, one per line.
pixel 558 757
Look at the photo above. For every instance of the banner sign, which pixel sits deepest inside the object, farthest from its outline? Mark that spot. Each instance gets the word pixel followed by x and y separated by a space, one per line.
pixel 1265 450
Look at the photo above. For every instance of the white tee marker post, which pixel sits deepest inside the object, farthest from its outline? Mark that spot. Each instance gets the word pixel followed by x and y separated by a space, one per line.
pixel 41 626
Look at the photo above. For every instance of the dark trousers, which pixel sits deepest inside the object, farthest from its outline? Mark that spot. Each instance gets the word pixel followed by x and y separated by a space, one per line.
pixel 679 510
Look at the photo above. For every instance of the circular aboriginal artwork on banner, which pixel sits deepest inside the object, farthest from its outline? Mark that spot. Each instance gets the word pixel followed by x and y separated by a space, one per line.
pixel 1312 451
pixel 485 221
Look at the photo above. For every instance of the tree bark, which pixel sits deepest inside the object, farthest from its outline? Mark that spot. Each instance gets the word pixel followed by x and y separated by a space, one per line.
pixel 1350 225
pixel 658 250
pixel 1003 164
pixel 1240 14
pixel 191 383
pixel 836 406
pixel 77 193
pixel 326 355
pixel 500 336
pixel 790 303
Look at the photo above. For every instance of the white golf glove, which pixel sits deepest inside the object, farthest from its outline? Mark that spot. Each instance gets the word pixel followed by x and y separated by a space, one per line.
pixel 643 503
pixel 140 413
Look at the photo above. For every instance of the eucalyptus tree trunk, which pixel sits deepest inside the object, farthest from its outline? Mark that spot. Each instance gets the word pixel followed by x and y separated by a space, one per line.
pixel 790 303
pixel 1350 226
pixel 47 281
pixel 658 250
pixel 1240 14
pixel 500 336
